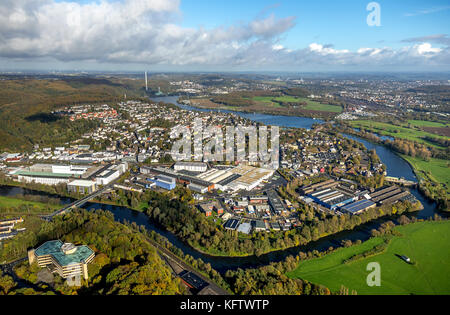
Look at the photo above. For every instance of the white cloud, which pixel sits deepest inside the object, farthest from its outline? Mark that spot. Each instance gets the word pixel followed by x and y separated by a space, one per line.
pixel 324 50
pixel 426 49
pixel 147 32
pixel 277 47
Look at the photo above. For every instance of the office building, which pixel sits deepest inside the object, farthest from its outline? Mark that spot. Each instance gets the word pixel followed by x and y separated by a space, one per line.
pixel 84 187
pixel 67 260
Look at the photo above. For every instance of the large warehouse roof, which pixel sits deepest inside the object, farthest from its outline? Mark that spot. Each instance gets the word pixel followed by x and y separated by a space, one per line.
pixel 358 206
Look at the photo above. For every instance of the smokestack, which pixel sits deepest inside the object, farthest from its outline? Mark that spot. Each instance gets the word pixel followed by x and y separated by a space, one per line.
pixel 146 81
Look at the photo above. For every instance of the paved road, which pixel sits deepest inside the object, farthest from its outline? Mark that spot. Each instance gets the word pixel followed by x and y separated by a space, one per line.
pixel 169 255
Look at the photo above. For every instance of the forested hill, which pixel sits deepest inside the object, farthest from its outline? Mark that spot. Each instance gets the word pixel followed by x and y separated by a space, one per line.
pixel 26 104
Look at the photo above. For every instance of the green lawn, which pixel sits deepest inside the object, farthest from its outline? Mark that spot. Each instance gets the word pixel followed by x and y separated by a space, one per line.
pixel 33 207
pixel 426 243
pixel 437 170
pixel 424 123
pixel 311 105
pixel 396 131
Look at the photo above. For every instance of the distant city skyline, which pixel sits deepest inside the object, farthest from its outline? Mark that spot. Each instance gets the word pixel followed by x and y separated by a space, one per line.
pixel 200 35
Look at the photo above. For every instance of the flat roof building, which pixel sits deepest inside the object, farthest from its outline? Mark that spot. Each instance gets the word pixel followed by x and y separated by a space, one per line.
pixel 245 228
pixel 66 259
pixel 231 224
pixel 84 187
pixel 259 225
pixel 191 166
pixel 332 198
pixel 358 206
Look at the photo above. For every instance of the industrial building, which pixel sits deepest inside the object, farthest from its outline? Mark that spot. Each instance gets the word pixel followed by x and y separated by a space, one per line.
pixel 84 187
pixel 259 199
pixel 48 174
pixel 231 224
pixel 106 177
pixel 358 206
pixel 74 170
pixel 191 167
pixel 245 228
pixel 250 177
pixel 389 195
pixel 43 178
pixel 259 225
pixel 242 177
pixel 180 178
pixel 332 198
pixel 67 260
pixel 198 188
pixel 165 182
pixel 275 202
pixel 319 186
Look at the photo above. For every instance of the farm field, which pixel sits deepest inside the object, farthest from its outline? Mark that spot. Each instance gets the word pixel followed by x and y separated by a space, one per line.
pixel 437 170
pixel 311 105
pixel 426 243
pixel 423 123
pixel 27 206
pixel 402 132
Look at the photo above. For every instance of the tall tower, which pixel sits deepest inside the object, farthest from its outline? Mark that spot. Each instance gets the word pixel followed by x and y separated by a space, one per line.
pixel 146 81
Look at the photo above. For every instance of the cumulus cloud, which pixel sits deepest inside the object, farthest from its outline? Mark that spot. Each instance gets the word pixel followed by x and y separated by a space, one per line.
pixel 146 32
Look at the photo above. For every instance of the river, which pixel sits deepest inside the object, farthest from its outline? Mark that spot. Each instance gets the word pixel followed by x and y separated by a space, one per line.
pixel 275 120
pixel 396 166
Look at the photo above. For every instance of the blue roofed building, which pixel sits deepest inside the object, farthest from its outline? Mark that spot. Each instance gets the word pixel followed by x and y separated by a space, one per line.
pixel 358 206
pixel 65 259
pixel 332 198
pixel 165 182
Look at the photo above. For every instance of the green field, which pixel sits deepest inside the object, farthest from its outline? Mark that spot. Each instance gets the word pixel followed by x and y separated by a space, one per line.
pixel 23 206
pixel 423 123
pixel 435 169
pixel 426 243
pixel 311 105
pixel 396 131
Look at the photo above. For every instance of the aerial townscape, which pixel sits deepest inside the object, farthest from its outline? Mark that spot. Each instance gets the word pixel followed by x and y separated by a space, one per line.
pixel 303 177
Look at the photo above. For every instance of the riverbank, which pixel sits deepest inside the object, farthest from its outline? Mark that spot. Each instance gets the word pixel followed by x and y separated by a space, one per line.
pixel 25 207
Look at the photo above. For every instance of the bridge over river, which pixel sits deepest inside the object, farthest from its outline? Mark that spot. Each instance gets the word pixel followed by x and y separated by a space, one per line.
pixel 78 203
pixel 401 181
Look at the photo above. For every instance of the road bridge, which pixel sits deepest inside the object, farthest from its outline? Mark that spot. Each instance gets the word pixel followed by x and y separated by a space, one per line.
pixel 78 203
pixel 401 181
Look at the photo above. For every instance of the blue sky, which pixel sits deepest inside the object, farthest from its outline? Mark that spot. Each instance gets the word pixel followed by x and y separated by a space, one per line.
pixel 224 35
pixel 341 23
